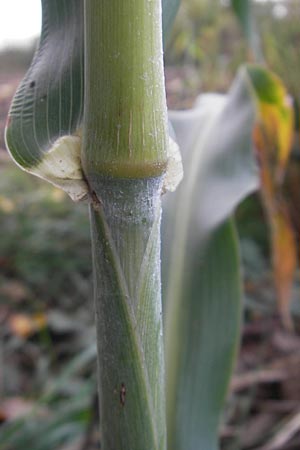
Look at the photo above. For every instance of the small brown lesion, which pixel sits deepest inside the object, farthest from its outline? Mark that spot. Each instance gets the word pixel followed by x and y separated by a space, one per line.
pixel 123 394
pixel 95 200
pixel 92 197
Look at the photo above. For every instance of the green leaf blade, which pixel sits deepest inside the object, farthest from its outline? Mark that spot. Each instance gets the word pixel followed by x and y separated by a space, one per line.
pixel 169 11
pixel 43 126
pixel 210 329
pixel 203 296
pixel 243 10
pixel 49 100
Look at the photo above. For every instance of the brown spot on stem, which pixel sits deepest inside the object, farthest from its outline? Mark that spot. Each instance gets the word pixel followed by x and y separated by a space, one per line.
pixel 122 394
pixel 96 202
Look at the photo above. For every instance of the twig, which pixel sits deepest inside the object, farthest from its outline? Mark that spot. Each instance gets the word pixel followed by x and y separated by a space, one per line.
pixel 285 434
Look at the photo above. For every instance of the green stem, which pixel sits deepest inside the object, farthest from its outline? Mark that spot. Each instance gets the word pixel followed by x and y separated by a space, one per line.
pixel 124 159
pixel 125 110
pixel 126 252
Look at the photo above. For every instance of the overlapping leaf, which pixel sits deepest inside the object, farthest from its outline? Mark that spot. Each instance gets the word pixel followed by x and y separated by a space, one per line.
pixel 203 294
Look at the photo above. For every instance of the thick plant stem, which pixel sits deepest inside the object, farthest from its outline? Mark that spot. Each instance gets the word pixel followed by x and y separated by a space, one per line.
pixel 125 105
pixel 126 252
pixel 124 159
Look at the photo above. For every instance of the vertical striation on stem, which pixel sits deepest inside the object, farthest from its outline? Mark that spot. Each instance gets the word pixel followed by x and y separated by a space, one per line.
pixel 124 159
pixel 125 110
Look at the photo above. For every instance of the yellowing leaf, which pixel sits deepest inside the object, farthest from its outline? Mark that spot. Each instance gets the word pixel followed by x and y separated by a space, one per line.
pixel 284 261
pixel 273 134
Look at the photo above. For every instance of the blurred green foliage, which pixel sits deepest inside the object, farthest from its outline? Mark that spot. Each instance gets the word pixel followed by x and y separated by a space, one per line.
pixel 208 36
pixel 46 243
pixel 45 267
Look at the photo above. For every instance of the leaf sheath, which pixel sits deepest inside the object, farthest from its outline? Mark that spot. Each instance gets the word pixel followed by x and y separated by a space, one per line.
pixel 126 254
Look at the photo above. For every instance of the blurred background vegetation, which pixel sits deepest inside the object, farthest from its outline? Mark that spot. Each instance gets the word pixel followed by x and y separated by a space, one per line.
pixel 48 394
